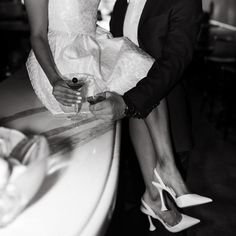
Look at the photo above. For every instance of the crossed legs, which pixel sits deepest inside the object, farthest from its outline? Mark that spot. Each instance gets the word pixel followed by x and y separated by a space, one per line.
pixel 152 144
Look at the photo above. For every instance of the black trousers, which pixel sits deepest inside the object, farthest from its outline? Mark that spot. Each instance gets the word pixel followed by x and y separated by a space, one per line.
pixel 182 160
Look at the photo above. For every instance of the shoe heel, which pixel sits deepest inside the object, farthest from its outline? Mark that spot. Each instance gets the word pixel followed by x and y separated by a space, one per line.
pixel 160 190
pixel 163 205
pixel 151 225
pixel 186 221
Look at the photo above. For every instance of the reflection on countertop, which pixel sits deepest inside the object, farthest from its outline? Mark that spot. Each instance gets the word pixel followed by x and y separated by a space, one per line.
pixel 84 191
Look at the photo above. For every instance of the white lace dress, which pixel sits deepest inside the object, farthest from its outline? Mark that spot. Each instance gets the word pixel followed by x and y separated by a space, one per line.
pixel 79 46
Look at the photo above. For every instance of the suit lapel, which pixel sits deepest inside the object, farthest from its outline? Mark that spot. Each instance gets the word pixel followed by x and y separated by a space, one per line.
pixel 146 11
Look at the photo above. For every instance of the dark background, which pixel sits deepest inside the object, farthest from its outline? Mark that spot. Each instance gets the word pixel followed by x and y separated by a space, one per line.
pixel 224 10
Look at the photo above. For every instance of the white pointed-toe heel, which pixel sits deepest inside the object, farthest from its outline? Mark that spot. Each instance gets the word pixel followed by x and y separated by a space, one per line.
pixel 186 221
pixel 186 200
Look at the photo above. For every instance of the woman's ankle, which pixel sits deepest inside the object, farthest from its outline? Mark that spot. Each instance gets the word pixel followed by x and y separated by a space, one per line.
pixel 153 203
pixel 151 198
pixel 172 178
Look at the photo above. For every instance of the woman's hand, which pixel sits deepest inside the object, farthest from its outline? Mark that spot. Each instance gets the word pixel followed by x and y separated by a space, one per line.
pixel 65 95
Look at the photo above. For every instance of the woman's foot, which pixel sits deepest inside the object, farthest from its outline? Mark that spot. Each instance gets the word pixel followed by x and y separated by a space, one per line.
pixel 178 192
pixel 171 217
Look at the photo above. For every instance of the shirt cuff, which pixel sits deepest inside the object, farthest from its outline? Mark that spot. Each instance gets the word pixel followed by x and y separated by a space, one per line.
pixel 130 110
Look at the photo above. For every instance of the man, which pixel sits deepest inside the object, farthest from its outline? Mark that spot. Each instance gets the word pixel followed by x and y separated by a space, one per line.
pixel 166 29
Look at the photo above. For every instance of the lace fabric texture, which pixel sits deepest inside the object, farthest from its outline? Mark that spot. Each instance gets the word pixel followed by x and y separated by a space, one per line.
pixel 79 46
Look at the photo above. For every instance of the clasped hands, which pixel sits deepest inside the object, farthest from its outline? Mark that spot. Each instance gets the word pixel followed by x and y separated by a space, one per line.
pixel 110 109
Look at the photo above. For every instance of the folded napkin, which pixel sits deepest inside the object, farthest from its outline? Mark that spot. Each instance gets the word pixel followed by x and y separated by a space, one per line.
pixel 23 167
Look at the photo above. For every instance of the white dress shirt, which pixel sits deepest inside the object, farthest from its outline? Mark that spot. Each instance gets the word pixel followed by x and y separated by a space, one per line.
pixel 132 17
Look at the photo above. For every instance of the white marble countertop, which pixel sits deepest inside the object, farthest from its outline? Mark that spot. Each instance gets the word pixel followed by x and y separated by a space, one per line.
pixel 78 199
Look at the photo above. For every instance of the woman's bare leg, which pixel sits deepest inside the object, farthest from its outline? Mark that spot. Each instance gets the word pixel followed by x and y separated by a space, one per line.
pixel 145 152
pixel 158 126
pixel 147 158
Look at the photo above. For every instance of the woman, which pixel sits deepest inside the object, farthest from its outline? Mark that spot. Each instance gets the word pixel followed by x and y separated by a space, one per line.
pixel 66 40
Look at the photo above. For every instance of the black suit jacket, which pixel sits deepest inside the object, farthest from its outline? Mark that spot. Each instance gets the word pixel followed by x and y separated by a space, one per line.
pixel 167 31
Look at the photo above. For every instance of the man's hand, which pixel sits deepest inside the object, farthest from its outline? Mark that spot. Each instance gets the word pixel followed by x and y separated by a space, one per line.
pixel 64 94
pixel 112 108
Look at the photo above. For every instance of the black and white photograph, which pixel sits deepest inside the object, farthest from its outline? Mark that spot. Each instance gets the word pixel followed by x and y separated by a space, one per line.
pixel 117 117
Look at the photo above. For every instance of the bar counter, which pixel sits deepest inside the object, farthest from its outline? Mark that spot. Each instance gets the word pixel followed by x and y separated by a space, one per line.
pixel 79 198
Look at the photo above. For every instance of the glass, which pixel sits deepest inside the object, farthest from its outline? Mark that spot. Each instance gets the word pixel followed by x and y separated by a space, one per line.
pixel 90 93
pixel 79 82
pixel 96 98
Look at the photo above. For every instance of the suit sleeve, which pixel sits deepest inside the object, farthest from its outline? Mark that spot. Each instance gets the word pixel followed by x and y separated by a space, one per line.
pixel 176 55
